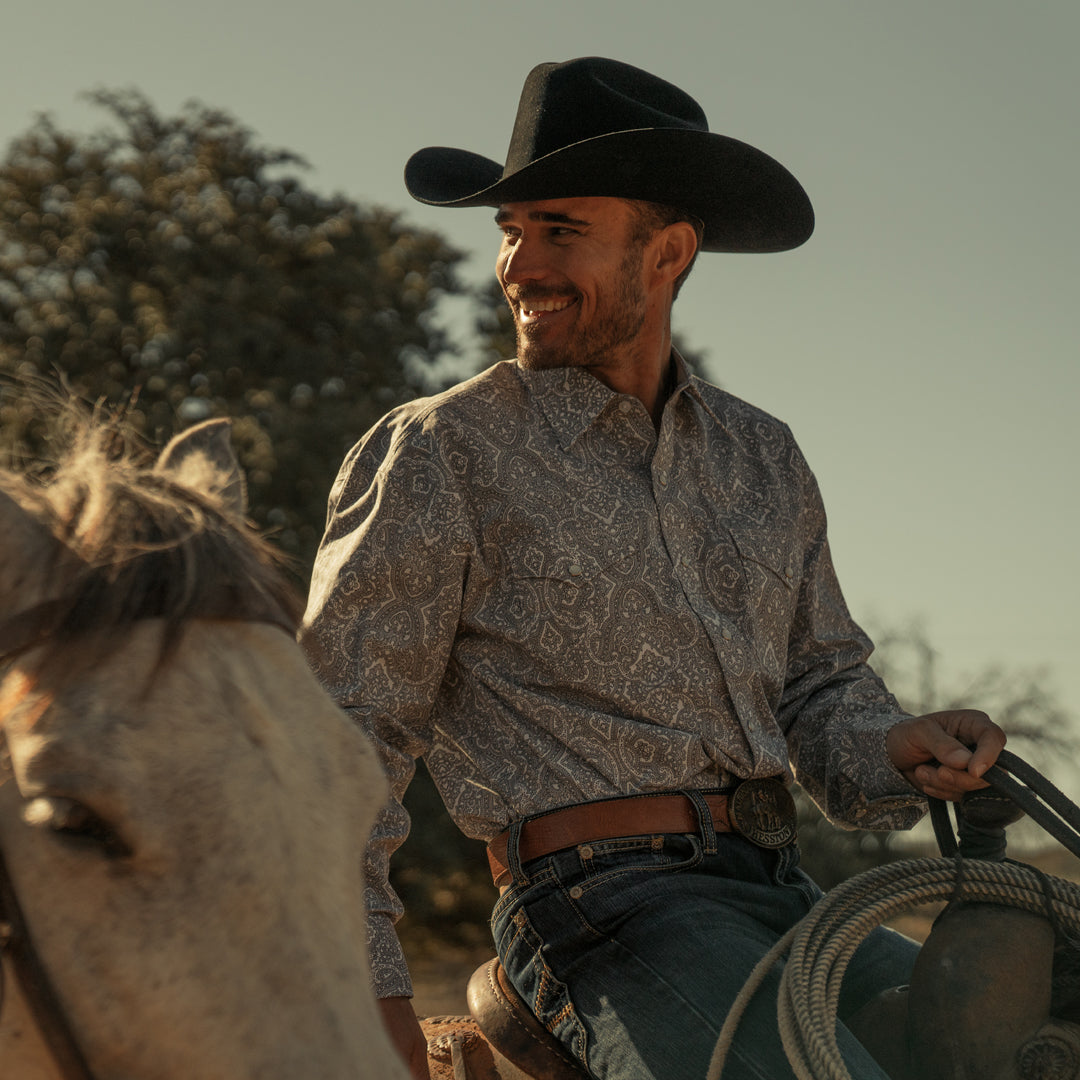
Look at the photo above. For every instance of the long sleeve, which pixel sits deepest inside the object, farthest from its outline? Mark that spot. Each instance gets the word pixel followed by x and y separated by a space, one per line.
pixel 835 710
pixel 381 618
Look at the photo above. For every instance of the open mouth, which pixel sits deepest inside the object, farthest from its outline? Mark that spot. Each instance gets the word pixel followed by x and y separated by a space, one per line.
pixel 533 311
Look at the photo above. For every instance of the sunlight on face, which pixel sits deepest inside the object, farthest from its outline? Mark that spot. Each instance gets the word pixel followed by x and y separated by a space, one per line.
pixel 571 270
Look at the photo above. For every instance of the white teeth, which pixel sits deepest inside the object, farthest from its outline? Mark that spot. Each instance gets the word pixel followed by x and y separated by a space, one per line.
pixel 547 305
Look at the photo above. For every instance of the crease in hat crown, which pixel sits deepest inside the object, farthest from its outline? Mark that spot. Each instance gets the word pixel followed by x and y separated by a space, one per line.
pixel 594 126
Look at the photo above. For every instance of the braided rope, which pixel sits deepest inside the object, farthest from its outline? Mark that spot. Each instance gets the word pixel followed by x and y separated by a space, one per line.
pixel 821 945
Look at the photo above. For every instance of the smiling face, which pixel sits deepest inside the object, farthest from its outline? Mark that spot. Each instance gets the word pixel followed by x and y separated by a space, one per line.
pixel 573 273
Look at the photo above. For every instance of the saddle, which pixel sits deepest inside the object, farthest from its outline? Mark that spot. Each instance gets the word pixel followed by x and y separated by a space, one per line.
pixel 501 1040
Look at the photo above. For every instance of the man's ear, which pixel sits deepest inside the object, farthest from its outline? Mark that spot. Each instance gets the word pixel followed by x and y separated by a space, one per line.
pixel 675 246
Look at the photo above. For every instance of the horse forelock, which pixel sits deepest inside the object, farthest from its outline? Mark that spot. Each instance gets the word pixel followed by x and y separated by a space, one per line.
pixel 134 544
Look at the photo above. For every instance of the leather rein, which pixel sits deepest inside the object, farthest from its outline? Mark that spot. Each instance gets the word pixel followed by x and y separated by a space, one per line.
pixel 17 944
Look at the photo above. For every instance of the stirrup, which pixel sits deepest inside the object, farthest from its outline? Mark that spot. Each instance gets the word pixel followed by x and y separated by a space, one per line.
pixel 513 1031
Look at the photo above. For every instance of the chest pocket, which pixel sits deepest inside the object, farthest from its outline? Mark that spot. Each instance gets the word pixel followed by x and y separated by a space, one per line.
pixel 565 589
pixel 768 556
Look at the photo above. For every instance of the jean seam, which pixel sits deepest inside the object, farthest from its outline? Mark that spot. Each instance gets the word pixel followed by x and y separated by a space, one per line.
pixel 548 983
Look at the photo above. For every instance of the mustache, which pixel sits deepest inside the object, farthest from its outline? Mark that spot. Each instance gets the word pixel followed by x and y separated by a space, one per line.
pixel 531 294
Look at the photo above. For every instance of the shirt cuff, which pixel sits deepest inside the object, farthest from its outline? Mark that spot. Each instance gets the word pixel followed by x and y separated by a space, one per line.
pixel 879 794
pixel 389 972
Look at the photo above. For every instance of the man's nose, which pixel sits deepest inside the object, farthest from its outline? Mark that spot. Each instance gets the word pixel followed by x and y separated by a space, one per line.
pixel 524 261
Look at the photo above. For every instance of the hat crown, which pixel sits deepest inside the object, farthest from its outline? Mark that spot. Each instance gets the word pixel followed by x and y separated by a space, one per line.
pixel 599 128
pixel 567 103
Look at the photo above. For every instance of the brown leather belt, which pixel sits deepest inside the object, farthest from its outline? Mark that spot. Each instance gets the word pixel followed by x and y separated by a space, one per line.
pixel 761 810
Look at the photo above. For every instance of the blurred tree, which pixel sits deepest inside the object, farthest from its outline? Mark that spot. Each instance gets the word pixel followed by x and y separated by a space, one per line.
pixel 172 265
pixel 494 324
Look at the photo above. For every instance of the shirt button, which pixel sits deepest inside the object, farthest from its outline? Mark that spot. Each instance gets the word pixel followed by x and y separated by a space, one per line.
pixel 625 406
pixel 575 892
pixel 789 573
pixel 585 851
pixel 662 477
pixel 725 634
pixel 575 569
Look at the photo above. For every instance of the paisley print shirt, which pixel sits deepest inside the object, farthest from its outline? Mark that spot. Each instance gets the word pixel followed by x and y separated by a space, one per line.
pixel 522 582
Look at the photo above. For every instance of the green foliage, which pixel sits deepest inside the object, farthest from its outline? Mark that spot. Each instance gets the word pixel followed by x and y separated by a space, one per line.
pixel 172 264
pixel 494 324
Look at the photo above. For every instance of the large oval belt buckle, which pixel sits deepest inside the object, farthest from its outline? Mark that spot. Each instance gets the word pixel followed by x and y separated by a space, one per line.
pixel 763 811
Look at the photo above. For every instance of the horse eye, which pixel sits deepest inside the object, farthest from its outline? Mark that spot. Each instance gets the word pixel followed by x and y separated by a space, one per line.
pixel 75 823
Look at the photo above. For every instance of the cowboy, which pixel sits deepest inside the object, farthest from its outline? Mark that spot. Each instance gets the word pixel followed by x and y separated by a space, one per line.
pixel 595 593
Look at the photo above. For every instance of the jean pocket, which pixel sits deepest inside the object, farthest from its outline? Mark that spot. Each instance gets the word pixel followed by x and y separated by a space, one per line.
pixel 601 862
pixel 522 957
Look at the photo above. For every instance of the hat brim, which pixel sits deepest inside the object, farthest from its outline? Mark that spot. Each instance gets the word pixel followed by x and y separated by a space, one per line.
pixel 748 201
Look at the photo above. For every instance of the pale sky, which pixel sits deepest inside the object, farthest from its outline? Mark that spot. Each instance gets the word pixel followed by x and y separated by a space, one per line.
pixel 922 345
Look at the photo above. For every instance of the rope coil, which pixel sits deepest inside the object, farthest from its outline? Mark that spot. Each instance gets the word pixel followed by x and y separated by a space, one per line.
pixel 820 946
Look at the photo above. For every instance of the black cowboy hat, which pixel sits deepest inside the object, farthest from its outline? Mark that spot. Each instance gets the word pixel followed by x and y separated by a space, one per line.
pixel 600 127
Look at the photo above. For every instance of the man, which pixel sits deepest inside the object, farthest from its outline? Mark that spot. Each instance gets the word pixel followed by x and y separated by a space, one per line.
pixel 595 593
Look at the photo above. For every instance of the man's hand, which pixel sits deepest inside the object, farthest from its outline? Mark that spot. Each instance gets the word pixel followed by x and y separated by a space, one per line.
pixel 933 752
pixel 400 1021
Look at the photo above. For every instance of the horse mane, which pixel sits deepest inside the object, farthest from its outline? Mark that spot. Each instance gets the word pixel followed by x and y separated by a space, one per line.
pixel 135 544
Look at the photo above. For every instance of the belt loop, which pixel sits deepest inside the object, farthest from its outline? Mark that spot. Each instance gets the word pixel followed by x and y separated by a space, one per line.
pixel 513 855
pixel 704 815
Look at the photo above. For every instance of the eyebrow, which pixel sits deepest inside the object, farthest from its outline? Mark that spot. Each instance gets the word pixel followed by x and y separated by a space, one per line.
pixel 547 216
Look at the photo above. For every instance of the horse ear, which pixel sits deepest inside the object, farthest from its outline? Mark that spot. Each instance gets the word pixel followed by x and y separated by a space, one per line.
pixel 25 548
pixel 202 458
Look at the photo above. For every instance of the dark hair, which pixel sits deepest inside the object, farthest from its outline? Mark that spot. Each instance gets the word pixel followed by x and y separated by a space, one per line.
pixel 650 218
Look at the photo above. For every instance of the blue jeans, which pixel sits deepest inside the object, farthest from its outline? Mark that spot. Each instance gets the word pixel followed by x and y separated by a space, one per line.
pixel 632 951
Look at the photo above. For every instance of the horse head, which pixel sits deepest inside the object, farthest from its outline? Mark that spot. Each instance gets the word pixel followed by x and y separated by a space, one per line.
pixel 182 808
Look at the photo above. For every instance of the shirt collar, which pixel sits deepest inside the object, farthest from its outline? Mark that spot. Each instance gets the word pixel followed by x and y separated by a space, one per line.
pixel 571 399
pixel 691 384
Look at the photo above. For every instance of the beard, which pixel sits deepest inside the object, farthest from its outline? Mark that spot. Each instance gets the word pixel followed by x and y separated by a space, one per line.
pixel 615 326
